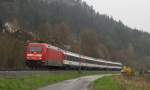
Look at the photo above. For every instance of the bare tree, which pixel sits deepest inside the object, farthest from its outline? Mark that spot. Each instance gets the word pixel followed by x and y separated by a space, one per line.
pixel 89 43
pixel 61 35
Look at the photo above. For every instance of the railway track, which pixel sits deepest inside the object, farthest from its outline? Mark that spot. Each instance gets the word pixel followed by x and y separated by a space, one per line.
pixel 20 73
pixel 27 71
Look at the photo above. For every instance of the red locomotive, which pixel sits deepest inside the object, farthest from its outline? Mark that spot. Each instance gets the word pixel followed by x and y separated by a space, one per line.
pixel 42 54
pixel 38 54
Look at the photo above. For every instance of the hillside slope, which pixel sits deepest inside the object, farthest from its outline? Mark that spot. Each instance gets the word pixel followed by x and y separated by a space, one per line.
pixel 84 30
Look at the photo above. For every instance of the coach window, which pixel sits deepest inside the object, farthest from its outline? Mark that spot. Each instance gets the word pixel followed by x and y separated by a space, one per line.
pixel 68 57
pixel 78 58
pixel 100 63
pixel 73 58
pixel 65 57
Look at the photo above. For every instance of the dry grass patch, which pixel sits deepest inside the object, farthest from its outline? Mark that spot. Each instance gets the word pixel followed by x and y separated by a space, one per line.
pixel 134 83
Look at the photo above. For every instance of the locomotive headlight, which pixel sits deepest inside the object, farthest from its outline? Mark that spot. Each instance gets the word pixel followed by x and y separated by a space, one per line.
pixel 28 57
pixel 39 55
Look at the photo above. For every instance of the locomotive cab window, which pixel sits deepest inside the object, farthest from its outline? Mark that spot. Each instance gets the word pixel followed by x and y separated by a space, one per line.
pixel 36 49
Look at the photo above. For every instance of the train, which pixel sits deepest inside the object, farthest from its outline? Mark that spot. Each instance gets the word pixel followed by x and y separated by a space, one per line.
pixel 43 54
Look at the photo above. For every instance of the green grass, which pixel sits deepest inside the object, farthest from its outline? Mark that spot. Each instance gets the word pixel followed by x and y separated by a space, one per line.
pixel 106 83
pixel 121 83
pixel 33 82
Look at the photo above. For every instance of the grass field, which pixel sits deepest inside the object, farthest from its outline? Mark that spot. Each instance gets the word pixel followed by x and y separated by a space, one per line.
pixel 121 83
pixel 33 82
pixel 105 83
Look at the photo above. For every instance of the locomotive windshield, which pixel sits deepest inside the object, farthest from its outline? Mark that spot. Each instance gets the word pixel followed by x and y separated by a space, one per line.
pixel 36 49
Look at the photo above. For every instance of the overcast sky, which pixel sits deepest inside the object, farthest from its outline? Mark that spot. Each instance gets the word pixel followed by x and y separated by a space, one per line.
pixel 134 13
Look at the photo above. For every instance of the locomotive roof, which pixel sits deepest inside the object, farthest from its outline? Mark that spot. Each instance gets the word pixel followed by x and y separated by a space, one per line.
pixel 44 44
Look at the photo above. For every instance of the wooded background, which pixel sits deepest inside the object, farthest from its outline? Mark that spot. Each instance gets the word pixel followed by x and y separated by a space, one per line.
pixel 71 25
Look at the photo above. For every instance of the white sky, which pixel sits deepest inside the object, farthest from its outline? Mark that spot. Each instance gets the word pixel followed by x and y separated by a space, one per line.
pixel 134 13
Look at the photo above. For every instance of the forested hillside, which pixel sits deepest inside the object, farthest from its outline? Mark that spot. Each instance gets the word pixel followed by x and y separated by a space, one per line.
pixel 71 25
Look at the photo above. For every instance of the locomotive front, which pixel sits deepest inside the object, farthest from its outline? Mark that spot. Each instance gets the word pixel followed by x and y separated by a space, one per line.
pixel 35 54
